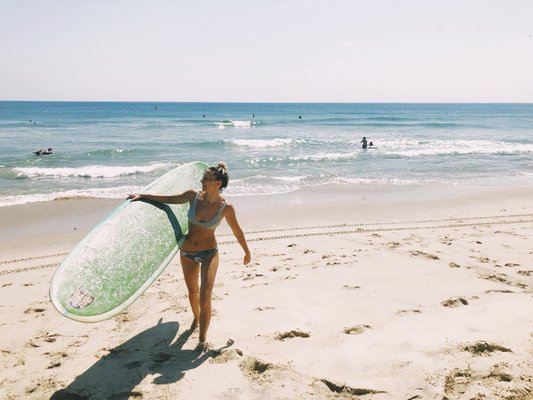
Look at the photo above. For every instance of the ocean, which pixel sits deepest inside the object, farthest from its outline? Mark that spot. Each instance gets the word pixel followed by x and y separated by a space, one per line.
pixel 110 149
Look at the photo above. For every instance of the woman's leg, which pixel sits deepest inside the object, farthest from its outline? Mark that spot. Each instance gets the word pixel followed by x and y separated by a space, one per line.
pixel 208 274
pixel 191 271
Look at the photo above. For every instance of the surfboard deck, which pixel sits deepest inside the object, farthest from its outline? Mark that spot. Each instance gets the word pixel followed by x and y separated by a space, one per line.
pixel 124 254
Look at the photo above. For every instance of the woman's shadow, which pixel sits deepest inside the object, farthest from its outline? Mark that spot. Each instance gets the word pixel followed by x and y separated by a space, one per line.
pixel 151 352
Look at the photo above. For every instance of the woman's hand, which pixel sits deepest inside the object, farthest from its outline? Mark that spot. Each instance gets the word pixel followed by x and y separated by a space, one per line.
pixel 247 258
pixel 134 197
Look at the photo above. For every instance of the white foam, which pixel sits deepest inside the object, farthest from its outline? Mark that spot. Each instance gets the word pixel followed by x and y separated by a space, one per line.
pixel 89 171
pixel 260 143
pixel 96 193
pixel 325 156
pixel 256 178
pixel 235 124
pixel 413 148
pixel 376 181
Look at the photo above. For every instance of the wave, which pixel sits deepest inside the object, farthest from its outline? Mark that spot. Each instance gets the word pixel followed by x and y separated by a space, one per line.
pixel 412 148
pixel 325 156
pixel 264 185
pixel 377 181
pixel 90 171
pixel 260 143
pixel 109 152
pixel 95 193
pixel 235 124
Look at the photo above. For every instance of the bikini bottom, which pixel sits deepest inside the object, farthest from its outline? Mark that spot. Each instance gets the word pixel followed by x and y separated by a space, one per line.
pixel 199 256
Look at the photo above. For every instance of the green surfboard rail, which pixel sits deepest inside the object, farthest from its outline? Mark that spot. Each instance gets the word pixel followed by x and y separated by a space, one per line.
pixel 124 254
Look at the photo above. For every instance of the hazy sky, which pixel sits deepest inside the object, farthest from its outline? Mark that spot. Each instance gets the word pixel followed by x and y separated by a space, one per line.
pixel 267 50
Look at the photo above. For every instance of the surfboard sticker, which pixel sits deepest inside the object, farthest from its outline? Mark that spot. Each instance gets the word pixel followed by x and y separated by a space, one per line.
pixel 80 299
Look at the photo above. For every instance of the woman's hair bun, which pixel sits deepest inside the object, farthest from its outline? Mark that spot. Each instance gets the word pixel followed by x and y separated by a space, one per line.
pixel 222 165
pixel 221 174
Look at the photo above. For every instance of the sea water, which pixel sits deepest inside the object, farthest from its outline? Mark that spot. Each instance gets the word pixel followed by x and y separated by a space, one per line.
pixel 107 150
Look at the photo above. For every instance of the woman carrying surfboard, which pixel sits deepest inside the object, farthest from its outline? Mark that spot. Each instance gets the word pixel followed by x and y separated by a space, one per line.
pixel 199 253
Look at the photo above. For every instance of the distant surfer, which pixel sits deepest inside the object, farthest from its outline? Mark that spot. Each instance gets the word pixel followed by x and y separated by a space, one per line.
pixel 199 253
pixel 42 152
pixel 364 142
pixel 371 144
pixel 300 117
pixel 203 116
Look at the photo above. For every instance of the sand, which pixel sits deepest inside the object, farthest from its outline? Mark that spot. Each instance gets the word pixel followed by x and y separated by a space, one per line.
pixel 371 293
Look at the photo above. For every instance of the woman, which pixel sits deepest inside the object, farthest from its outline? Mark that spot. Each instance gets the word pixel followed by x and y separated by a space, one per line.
pixel 199 251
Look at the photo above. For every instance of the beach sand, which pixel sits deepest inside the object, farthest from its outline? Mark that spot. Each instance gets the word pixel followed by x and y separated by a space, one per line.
pixel 371 293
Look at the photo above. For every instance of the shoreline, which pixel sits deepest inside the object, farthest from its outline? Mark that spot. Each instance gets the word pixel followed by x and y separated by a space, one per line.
pixel 362 202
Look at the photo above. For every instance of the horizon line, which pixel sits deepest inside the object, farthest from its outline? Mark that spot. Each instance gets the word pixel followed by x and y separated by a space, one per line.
pixel 265 102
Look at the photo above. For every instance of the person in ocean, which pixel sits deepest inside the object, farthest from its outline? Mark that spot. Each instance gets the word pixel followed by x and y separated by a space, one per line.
pixel 363 141
pixel 199 253
pixel 44 152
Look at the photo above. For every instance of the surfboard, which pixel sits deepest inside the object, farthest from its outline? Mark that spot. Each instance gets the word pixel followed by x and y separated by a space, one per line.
pixel 124 254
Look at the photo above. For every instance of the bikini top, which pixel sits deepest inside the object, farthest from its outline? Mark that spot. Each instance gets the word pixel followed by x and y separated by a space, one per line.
pixel 212 223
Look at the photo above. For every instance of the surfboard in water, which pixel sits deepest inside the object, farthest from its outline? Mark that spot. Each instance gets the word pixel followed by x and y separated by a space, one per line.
pixel 123 255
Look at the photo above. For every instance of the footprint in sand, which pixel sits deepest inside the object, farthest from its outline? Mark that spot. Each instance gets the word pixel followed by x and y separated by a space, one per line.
pixel 226 356
pixel 43 386
pixel 497 371
pixel 249 276
pixel 525 273
pixel 446 240
pixel 55 358
pixel 11 359
pixel 498 291
pixel 500 278
pixel 356 330
pixel 254 367
pixel 347 390
pixel 422 253
pixel 414 311
pixel 34 310
pixel 42 340
pixel 264 308
pixel 291 334
pixel 455 302
pixel 457 382
pixel 481 348
pixel 351 287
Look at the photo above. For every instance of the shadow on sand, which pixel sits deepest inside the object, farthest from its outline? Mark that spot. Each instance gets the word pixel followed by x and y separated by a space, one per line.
pixel 116 375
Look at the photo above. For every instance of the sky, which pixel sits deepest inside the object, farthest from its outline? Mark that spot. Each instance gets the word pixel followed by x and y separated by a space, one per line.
pixel 267 50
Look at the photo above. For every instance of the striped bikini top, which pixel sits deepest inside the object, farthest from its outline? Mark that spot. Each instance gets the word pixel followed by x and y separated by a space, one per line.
pixel 212 223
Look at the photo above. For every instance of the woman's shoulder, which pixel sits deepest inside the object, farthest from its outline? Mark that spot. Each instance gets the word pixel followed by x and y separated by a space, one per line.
pixel 228 206
pixel 191 194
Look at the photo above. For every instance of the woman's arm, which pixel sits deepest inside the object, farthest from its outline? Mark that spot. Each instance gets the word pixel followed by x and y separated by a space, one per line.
pixel 231 218
pixel 182 198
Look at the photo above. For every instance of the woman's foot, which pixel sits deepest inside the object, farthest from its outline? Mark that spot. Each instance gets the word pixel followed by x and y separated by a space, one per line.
pixel 203 346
